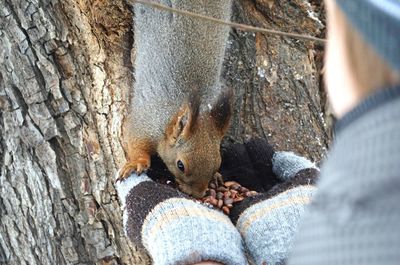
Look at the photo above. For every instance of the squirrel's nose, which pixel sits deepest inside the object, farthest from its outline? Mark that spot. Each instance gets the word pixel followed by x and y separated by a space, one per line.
pixel 193 191
pixel 198 191
pixel 198 194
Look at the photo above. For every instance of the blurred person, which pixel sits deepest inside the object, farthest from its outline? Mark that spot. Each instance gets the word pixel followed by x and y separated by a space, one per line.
pixel 355 215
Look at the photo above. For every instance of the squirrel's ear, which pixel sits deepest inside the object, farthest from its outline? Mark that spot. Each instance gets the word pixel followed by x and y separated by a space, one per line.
pixel 221 112
pixel 184 121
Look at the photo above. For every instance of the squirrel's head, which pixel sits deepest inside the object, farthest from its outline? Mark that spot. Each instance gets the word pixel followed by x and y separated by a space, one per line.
pixel 191 143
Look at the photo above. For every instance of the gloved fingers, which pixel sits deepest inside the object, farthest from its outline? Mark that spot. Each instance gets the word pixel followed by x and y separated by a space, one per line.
pixel 237 166
pixel 164 221
pixel 286 165
pixel 268 221
pixel 261 153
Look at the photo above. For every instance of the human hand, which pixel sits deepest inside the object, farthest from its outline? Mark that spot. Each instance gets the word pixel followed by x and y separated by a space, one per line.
pixel 268 221
pixel 175 229
pixel 257 166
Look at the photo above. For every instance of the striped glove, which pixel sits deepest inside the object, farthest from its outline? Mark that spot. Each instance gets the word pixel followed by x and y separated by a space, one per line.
pixel 249 164
pixel 175 229
pixel 268 222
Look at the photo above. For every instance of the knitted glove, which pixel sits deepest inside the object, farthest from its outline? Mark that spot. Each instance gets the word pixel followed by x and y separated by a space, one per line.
pixel 256 165
pixel 250 164
pixel 268 222
pixel 175 229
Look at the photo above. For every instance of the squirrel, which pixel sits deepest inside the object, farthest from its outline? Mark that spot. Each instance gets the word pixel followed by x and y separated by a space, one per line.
pixel 178 108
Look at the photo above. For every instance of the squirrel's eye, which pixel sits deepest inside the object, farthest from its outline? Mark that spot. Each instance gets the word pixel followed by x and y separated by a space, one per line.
pixel 180 165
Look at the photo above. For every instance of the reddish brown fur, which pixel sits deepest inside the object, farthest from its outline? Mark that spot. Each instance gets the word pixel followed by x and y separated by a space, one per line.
pixel 190 136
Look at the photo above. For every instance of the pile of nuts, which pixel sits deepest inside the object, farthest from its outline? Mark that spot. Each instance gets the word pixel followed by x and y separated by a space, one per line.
pixel 223 195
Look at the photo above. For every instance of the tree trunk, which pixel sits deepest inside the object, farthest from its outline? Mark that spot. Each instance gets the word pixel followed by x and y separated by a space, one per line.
pixel 65 79
pixel 279 93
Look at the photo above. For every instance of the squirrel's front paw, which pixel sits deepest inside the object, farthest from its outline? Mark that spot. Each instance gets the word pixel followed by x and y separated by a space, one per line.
pixel 138 166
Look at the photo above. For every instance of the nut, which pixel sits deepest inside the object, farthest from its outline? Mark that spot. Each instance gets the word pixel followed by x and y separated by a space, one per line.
pixel 222 189
pixel 228 201
pixel 234 193
pixel 224 195
pixel 226 210
pixel 228 184
pixel 212 193
pixel 238 199
pixel 220 203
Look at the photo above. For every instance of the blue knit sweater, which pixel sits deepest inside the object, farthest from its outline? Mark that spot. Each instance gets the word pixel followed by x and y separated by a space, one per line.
pixel 355 215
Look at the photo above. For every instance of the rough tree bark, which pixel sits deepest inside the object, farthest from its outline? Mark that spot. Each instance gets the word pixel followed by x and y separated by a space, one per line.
pixel 278 84
pixel 65 75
